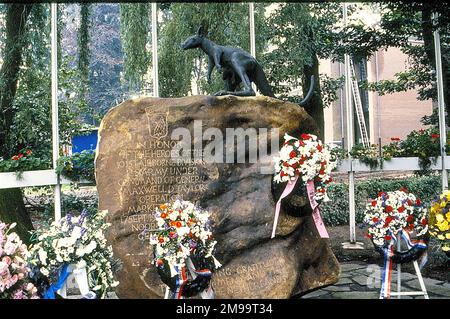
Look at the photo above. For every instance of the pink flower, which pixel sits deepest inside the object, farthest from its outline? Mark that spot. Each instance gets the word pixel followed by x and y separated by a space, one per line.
pixel 3 267
pixel 7 260
pixel 10 248
pixel 18 294
pixel 12 281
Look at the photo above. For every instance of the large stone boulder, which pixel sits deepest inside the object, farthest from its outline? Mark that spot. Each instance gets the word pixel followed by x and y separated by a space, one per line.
pixel 135 172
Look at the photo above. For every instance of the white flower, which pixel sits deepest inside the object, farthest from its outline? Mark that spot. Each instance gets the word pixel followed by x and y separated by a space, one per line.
pixel 90 247
pixel 44 271
pixel 76 232
pixel 42 256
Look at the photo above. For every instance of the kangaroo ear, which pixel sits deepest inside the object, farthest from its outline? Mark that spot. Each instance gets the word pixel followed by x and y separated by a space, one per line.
pixel 200 31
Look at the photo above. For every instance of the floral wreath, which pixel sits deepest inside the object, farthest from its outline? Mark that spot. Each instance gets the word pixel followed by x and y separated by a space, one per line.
pixel 183 248
pixel 73 240
pixel 397 213
pixel 309 160
pixel 439 221
pixel 306 157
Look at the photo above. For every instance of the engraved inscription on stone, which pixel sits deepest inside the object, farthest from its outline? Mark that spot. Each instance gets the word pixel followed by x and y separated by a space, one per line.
pixel 151 176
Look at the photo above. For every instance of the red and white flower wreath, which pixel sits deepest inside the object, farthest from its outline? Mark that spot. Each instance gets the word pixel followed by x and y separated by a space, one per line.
pixel 309 159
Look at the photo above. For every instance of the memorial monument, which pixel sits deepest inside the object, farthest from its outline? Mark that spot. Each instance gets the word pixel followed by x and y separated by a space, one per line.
pixel 136 169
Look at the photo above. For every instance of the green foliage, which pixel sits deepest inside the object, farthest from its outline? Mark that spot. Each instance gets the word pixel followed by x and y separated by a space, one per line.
pixel 78 166
pixel 24 160
pixel 336 212
pixel 329 88
pixel 424 144
pixel 32 105
pixel 70 203
pixel 367 155
pixel 134 29
pixel 292 35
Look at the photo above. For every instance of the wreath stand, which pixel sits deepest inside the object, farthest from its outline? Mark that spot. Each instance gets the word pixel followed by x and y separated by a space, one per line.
pixel 399 293
pixel 206 294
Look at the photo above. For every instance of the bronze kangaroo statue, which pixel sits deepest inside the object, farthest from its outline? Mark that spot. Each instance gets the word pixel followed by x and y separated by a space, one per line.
pixel 238 67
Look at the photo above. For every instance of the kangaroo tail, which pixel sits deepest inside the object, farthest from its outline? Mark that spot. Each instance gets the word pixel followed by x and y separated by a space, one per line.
pixel 261 82
pixel 310 92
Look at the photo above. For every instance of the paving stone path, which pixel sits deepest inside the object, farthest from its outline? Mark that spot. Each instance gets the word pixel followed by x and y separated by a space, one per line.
pixel 363 281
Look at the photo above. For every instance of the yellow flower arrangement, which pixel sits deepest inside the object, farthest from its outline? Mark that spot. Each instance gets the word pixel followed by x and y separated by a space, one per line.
pixel 439 220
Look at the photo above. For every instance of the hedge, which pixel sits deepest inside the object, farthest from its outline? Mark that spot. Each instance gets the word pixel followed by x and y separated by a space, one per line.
pixel 336 212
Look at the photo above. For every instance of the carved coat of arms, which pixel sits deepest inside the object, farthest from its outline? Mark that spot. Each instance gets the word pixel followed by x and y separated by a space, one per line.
pixel 157 123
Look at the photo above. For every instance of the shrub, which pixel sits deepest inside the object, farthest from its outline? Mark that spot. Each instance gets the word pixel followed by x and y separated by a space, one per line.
pixel 78 166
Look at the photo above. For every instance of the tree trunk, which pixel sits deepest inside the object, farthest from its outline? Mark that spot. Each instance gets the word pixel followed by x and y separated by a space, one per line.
pixel 16 17
pixel 314 106
pixel 12 208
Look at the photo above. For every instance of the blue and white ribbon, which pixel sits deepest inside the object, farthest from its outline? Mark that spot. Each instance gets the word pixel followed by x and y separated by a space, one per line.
pixel 50 292
pixel 387 271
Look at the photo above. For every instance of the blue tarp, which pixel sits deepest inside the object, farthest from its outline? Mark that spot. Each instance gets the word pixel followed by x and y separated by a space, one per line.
pixel 85 142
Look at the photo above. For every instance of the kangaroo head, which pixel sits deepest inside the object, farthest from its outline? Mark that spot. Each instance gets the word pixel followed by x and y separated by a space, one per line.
pixel 194 41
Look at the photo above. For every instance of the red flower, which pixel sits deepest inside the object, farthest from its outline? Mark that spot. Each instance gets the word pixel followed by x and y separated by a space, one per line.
pixel 421 130
pixel 409 202
pixel 418 202
pixel 368 235
pixel 388 220
pixel 285 164
pixel 159 262
pixel 374 203
pixel 401 209
pixel 375 219
pixel 282 174
pixel 410 219
pixel 395 139
pixel 292 154
pixel 15 158
pixel 321 172
pixel 28 152
pixel 319 148
pixel 434 135
pixel 161 239
pixel 389 209
pixel 178 224
pixel 305 136
pixel 424 222
pixel 20 155
pixel 387 237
